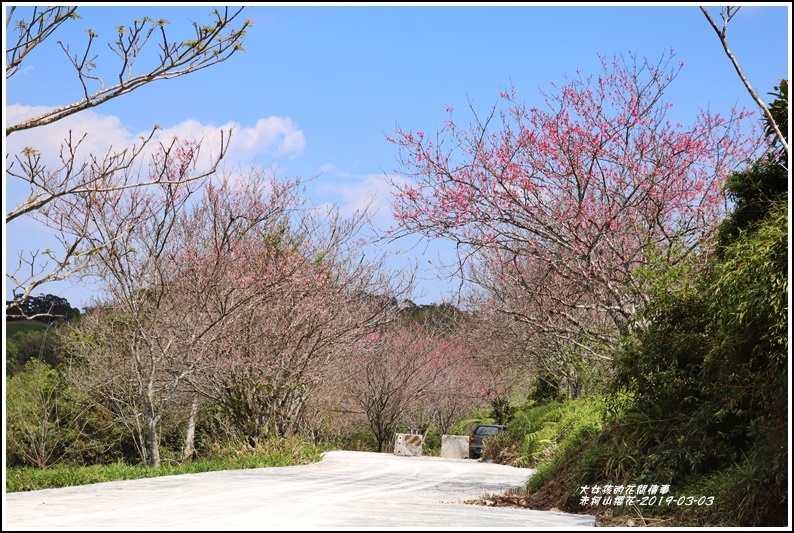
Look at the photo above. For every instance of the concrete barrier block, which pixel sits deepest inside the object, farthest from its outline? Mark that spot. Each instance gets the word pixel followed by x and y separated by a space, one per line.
pixel 408 444
pixel 455 446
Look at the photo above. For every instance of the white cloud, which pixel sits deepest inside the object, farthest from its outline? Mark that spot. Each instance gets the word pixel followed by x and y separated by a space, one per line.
pixel 101 133
pixel 355 193
pixel 269 138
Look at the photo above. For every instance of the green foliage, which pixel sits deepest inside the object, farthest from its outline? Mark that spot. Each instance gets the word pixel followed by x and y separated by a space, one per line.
pixel 273 452
pixel 544 472
pixel 362 440
pixel 48 421
pixel 431 446
pixel 54 307
pixel 556 436
pixel 748 492
pixel 19 334
pixel 540 433
pixel 707 386
pixel 545 389
pixel 779 110
pixel 765 184
pixel 15 327
pixel 266 452
pixel 658 369
pixel 754 192
pixel 700 395
pixel 467 425
pixel 30 340
pixel 750 290
pixel 501 410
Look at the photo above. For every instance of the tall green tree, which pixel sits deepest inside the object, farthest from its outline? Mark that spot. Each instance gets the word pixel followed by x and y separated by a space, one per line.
pixel 46 307
pixel 756 190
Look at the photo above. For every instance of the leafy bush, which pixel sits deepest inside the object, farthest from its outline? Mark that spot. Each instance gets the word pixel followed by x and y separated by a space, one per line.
pixel 546 388
pixel 42 421
pixel 48 421
pixel 542 432
pixel 30 340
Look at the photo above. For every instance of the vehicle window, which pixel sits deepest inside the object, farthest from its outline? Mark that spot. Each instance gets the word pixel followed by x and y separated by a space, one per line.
pixel 485 430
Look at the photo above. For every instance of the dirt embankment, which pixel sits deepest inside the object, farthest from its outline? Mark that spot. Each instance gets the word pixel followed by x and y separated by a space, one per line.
pixel 556 495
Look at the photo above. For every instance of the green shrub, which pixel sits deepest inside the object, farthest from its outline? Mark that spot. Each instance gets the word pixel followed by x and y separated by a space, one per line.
pixel 541 432
pixel 546 389
pixel 43 418
pixel 26 340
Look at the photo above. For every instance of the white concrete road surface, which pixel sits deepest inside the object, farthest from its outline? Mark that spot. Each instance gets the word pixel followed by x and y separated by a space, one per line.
pixel 346 490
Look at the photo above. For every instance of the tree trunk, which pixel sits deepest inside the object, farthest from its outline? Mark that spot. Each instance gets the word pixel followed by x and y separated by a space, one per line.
pixel 154 444
pixel 190 437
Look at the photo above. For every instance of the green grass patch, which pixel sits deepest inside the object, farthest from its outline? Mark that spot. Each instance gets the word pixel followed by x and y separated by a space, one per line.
pixel 270 453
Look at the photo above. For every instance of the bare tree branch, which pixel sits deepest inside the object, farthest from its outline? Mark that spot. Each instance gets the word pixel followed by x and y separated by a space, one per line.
pixel 176 59
pixel 61 194
pixel 32 32
pixel 727 13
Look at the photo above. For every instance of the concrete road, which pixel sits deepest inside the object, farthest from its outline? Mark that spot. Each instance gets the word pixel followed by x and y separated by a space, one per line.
pixel 346 490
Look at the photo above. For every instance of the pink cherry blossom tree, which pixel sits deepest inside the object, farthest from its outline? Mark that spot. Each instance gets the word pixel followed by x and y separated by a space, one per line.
pixel 406 376
pixel 567 207
pixel 459 384
pixel 239 294
pixel 315 296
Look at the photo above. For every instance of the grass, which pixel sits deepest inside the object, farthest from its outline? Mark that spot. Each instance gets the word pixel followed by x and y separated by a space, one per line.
pixel 283 452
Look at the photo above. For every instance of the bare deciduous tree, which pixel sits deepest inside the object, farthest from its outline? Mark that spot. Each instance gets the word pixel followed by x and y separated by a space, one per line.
pixel 52 181
pixel 214 43
pixel 138 345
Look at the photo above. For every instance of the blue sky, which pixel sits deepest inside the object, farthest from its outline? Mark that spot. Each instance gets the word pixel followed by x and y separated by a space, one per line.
pixel 321 86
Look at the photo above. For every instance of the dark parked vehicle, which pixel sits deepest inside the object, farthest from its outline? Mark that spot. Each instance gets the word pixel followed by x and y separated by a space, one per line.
pixel 477 439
